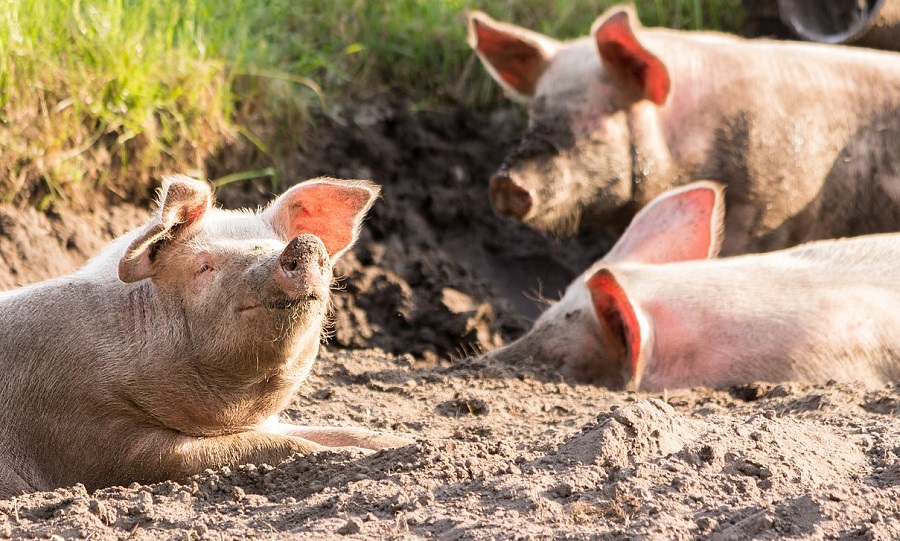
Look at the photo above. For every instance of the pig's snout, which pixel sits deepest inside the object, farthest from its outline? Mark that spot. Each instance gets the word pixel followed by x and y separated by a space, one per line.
pixel 304 269
pixel 509 198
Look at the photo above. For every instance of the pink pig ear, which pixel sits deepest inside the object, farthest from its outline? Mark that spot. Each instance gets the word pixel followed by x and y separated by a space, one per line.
pixel 680 225
pixel 330 209
pixel 625 58
pixel 183 202
pixel 617 316
pixel 515 57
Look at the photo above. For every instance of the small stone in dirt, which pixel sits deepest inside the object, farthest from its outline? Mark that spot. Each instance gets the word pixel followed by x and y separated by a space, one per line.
pixel 706 524
pixel 323 394
pixel 764 523
pixel 462 407
pixel 353 526
pixel 102 510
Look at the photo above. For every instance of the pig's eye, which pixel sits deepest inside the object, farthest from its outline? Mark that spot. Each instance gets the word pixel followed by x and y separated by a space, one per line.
pixel 203 268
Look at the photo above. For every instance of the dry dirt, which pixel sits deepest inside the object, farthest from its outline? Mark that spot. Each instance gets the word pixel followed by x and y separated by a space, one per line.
pixel 502 452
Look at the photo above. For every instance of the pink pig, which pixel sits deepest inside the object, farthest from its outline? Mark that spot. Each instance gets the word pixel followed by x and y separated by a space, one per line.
pixel 176 348
pixel 657 313
pixel 804 135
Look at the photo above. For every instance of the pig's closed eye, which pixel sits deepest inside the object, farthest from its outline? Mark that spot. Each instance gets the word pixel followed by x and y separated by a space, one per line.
pixel 203 268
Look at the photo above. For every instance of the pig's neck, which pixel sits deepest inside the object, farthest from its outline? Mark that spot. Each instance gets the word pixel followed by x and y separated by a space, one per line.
pixel 184 391
pixel 653 167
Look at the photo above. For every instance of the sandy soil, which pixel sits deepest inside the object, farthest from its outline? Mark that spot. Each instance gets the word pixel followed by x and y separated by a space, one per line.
pixel 508 452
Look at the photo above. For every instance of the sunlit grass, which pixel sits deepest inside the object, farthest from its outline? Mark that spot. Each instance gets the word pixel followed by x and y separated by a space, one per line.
pixel 112 92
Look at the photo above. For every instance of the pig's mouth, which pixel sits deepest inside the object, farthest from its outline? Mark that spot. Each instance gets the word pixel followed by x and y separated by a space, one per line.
pixel 282 304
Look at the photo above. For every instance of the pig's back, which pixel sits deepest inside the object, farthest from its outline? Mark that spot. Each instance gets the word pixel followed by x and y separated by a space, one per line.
pixel 866 252
pixel 826 310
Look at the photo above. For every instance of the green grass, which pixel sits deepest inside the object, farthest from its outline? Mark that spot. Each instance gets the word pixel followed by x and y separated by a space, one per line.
pixel 113 92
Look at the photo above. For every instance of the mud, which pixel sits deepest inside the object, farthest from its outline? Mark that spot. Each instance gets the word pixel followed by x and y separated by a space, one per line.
pixel 509 452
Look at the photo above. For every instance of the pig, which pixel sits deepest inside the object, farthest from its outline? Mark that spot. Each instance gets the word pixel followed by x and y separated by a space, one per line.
pixel 660 312
pixel 804 135
pixel 176 347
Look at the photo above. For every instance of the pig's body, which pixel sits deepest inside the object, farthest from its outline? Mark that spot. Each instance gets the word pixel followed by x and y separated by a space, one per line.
pixel 805 136
pixel 824 310
pixel 158 360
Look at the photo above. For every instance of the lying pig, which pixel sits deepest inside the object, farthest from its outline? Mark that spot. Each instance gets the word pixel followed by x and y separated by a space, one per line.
pixel 805 135
pixel 176 347
pixel 655 313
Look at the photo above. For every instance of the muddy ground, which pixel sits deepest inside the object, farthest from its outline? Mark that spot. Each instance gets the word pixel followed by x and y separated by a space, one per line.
pixel 502 452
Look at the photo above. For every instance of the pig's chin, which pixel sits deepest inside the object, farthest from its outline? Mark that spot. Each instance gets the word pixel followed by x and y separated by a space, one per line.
pixel 560 220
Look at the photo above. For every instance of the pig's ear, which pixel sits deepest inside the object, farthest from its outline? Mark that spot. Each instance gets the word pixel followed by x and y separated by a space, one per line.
pixel 620 324
pixel 183 202
pixel 330 209
pixel 680 225
pixel 626 59
pixel 515 57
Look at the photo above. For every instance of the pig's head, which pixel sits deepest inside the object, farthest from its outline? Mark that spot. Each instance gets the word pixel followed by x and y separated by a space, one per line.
pixel 596 333
pixel 578 157
pixel 239 292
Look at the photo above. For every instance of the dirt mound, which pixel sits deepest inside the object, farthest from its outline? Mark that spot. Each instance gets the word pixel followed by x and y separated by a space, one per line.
pixel 634 433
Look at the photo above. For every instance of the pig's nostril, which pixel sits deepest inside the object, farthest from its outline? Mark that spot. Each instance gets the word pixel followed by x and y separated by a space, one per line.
pixel 509 198
pixel 289 266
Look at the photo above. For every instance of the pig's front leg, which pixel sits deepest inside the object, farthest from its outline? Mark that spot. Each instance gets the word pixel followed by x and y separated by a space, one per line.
pixel 340 436
pixel 158 459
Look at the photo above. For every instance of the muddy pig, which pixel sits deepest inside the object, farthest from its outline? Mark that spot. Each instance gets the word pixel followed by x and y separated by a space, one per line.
pixel 656 313
pixel 175 349
pixel 805 135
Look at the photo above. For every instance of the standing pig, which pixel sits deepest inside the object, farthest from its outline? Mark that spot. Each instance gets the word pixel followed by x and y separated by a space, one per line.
pixel 806 136
pixel 176 347
pixel 655 313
